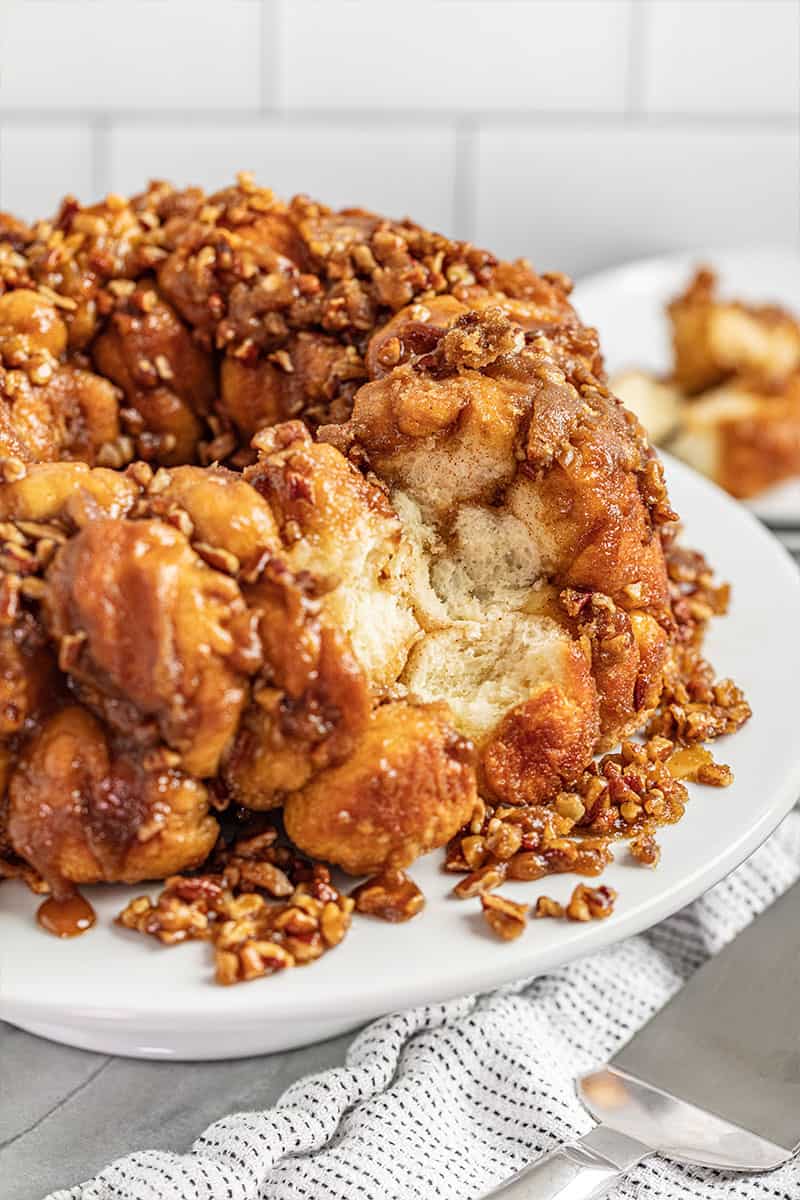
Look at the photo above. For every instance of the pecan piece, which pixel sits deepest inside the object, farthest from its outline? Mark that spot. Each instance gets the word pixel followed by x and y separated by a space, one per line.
pixel 505 918
pixel 591 904
pixel 546 906
pixel 391 895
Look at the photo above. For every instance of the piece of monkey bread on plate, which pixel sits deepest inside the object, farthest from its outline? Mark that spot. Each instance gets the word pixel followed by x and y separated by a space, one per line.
pixel 730 406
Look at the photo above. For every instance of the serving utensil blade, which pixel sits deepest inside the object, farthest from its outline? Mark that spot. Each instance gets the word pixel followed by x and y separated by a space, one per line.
pixel 729 1041
pixel 713 1078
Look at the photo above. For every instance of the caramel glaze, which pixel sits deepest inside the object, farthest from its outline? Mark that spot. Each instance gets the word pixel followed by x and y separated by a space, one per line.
pixel 68 917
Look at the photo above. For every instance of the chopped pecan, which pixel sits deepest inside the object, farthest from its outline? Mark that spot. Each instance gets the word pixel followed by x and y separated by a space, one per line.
pixel 391 895
pixel 590 904
pixel 482 880
pixel 715 774
pixel 251 936
pixel 546 906
pixel 645 850
pixel 504 917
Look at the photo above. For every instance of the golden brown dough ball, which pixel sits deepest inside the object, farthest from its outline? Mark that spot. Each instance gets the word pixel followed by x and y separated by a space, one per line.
pixel 313 375
pixel 154 635
pixel 27 313
pixel 79 814
pixel 68 491
pixel 408 788
pixel 224 511
pixel 169 381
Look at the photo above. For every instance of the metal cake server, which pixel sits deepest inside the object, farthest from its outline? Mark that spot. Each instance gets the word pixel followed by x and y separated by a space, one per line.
pixel 713 1078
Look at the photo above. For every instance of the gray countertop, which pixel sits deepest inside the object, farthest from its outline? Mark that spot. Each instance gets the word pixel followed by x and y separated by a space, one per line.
pixel 65 1113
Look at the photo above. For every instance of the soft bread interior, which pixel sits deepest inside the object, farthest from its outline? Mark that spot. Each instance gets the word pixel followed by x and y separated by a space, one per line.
pixel 476 591
pixel 483 669
pixel 486 563
pixel 369 602
pixel 374 612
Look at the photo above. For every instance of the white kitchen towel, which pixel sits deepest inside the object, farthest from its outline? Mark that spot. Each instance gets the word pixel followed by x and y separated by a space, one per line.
pixel 446 1101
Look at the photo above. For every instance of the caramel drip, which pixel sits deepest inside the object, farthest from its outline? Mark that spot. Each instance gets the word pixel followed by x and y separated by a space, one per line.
pixel 66 918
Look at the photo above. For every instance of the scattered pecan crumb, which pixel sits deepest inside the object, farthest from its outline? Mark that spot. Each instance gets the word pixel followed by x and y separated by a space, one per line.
pixel 480 881
pixel 715 774
pixel 252 934
pixel 391 895
pixel 695 708
pixel 569 805
pixel 503 839
pixel 173 918
pixel 505 918
pixel 523 842
pixel 247 875
pixel 546 906
pixel 590 904
pixel 646 850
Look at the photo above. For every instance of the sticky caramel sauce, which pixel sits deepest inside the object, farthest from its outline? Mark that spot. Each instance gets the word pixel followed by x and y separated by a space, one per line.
pixel 66 918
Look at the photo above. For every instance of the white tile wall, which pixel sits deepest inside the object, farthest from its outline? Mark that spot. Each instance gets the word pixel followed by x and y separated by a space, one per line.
pixel 722 56
pixel 40 163
pixel 577 131
pixel 593 197
pixel 399 171
pixel 139 54
pixel 455 54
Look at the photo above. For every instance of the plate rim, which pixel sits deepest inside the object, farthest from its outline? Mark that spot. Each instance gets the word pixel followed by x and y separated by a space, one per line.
pixel 486 971
pixel 675 258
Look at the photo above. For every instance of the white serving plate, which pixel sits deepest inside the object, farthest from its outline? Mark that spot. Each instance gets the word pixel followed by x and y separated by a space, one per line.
pixel 627 306
pixel 115 991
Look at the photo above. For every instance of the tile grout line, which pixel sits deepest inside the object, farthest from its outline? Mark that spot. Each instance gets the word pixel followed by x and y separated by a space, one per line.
pixel 23 1133
pixel 389 118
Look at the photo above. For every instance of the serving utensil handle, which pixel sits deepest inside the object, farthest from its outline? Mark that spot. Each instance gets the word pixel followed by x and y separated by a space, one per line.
pixel 583 1170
